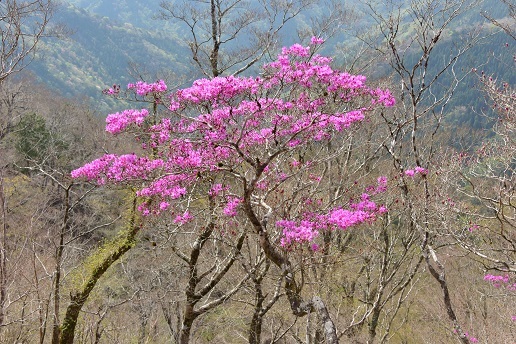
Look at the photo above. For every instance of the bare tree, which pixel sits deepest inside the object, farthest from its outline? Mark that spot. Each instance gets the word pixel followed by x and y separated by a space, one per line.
pixel 22 26
pixel 231 36
pixel 481 184
pixel 477 210
pixel 507 24
pixel 46 216
pixel 215 25
pixel 410 36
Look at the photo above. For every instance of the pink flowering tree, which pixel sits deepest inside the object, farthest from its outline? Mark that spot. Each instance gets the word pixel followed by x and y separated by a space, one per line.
pixel 228 156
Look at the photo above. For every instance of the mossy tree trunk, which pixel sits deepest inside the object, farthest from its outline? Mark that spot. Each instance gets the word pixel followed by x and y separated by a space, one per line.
pixel 79 298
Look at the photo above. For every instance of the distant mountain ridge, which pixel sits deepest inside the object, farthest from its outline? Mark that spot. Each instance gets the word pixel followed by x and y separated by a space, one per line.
pixel 139 13
pixel 115 39
pixel 101 51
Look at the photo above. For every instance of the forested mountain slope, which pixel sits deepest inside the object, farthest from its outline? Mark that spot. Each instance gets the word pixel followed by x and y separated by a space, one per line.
pixel 102 51
pixel 118 42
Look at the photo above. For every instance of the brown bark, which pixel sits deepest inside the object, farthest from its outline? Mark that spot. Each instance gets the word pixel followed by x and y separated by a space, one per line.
pixel 3 252
pixel 195 294
pixel 255 327
pixel 56 331
pixel 215 36
pixel 440 277
pixel 298 306
pixel 192 298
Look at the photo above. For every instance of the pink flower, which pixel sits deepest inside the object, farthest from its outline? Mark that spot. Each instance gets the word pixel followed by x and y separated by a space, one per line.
pixel 384 97
pixel 381 186
pixel 421 170
pixel 343 218
pixel 316 41
pixel 182 219
pixel 501 281
pixel 296 50
pixel 119 121
pixel 230 126
pixel 143 88
pixel 231 206
pixel 293 232
pixel 417 169
pixel 216 189
pixel 473 227
pixel 113 91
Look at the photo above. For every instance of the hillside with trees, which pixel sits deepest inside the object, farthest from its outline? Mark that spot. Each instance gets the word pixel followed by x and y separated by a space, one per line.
pixel 100 51
pixel 114 44
pixel 233 171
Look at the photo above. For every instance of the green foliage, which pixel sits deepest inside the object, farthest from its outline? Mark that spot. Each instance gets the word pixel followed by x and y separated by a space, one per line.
pixel 33 138
pixel 35 142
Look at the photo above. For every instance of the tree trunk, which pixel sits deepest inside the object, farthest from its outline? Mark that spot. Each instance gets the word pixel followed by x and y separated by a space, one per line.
pixel 3 252
pixel 440 276
pixel 186 327
pixel 255 328
pixel 328 326
pixel 78 299
pixel 298 306
pixel 56 330
pixel 215 36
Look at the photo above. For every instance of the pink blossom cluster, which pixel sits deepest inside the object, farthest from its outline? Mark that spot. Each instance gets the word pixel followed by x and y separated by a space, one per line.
pixel 117 168
pixel 223 122
pixel 416 170
pixel 316 41
pixel 363 211
pixel 473 227
pixel 117 122
pixel 383 97
pixel 216 90
pixel 293 120
pixel 216 189
pixel 231 206
pixel 112 91
pixel 471 338
pixel 307 230
pixel 142 88
pixel 380 187
pixel 170 187
pixel 294 232
pixel 501 281
pixel 184 218
pixel 344 218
